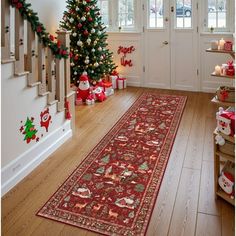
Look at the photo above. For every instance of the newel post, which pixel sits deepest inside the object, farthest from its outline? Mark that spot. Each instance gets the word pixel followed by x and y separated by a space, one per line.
pixel 64 37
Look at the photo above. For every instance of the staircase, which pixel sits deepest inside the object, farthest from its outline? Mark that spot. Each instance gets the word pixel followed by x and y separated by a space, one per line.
pixel 34 80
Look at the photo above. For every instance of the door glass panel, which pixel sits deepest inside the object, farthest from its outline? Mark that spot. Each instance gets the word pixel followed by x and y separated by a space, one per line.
pixel 155 13
pixel 183 13
pixel 217 13
pixel 126 13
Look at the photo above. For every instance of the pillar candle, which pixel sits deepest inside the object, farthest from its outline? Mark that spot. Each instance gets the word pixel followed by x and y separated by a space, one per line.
pixel 217 70
pixel 214 44
pixel 221 44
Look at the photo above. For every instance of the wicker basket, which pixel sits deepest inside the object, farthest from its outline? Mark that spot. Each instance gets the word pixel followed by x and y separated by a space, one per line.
pixel 227 148
pixel 225 94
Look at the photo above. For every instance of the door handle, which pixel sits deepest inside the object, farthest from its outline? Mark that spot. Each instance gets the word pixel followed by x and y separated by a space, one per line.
pixel 165 42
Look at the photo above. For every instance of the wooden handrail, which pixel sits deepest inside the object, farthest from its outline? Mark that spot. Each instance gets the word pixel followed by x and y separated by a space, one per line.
pixel 50 72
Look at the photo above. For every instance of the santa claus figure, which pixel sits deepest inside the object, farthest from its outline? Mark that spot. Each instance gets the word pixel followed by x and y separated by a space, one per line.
pixel 84 91
pixel 226 121
pixel 226 182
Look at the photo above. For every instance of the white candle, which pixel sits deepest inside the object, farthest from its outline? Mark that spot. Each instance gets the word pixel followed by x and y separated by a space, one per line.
pixel 217 70
pixel 214 45
pixel 221 44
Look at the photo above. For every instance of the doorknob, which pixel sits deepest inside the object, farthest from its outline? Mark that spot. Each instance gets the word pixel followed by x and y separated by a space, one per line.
pixel 165 42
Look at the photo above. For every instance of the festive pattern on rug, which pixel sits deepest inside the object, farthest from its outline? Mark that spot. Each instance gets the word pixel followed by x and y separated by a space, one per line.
pixel 113 191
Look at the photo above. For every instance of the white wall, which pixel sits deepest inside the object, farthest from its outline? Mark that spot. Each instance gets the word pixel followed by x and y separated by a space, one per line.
pixel 134 73
pixel 50 12
pixel 18 101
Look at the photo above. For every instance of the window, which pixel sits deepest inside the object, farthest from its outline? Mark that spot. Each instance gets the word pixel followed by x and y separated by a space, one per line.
pixel 156 14
pixel 104 11
pixel 183 14
pixel 126 13
pixel 118 14
pixel 217 15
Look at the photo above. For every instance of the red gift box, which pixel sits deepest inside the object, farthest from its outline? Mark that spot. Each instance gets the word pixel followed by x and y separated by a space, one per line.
pixel 228 46
pixel 107 85
pixel 230 70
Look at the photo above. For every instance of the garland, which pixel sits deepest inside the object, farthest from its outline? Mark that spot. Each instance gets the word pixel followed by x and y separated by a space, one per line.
pixel 58 50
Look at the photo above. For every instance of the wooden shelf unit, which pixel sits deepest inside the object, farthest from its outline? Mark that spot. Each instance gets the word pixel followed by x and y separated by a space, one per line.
pixel 222 76
pixel 219 155
pixel 217 158
pixel 232 53
pixel 220 103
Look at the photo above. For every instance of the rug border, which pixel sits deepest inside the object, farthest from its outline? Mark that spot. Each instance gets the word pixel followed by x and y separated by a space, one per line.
pixel 184 97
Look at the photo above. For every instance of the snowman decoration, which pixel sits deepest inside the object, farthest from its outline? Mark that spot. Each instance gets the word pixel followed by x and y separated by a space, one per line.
pixel 84 92
pixel 226 182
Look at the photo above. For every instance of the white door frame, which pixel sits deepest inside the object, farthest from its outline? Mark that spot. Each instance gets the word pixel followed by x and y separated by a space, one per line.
pixel 181 77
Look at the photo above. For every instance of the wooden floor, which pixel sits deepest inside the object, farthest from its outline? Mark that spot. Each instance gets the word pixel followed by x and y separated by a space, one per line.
pixel 185 204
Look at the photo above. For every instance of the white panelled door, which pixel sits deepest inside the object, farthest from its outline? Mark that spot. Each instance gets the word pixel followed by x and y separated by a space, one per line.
pixel 171 44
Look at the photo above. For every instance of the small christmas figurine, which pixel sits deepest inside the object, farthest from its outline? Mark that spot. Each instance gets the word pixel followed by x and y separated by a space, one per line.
pixel 84 91
pixel 226 182
pixel 226 121
pixel 99 94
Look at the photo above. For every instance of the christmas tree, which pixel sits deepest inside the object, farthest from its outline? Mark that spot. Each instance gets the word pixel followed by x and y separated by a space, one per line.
pixel 89 51
pixel 29 131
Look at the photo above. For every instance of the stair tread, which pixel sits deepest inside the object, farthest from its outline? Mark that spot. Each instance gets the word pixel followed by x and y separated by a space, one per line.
pixel 52 102
pixel 22 73
pixel 5 61
pixel 43 94
pixel 34 84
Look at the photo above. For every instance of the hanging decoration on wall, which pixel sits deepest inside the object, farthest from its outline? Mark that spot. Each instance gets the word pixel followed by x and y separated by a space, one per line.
pixel 67 107
pixel 29 131
pixel 59 50
pixel 124 51
pixel 45 119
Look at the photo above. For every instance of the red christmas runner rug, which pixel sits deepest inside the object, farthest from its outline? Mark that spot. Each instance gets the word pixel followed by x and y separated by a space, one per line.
pixel 113 191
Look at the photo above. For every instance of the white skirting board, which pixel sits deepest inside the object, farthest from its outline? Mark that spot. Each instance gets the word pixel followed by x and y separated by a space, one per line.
pixel 15 171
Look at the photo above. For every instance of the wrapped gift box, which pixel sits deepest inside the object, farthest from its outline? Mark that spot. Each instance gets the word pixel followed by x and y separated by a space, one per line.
pixel 228 46
pixel 226 94
pixel 230 69
pixel 113 79
pixel 121 83
pixel 108 88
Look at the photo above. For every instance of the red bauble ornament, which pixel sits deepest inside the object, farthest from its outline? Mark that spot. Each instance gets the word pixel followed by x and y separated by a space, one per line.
pixel 76 58
pixel 79 25
pixel 58 43
pixel 39 29
pixel 51 37
pixel 87 9
pixel 19 5
pixel 71 54
pixel 90 19
pixel 64 52
pixel 86 32
pixel 88 1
